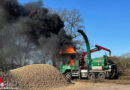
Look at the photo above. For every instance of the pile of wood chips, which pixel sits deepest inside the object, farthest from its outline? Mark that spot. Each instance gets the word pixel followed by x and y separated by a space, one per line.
pixel 37 77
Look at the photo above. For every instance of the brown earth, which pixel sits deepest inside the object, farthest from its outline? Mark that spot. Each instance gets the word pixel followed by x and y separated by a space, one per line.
pixel 110 85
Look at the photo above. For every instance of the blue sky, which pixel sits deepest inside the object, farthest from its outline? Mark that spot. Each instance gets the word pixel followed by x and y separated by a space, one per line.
pixel 107 22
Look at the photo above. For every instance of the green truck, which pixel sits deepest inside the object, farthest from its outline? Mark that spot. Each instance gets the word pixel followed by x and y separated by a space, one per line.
pixel 101 68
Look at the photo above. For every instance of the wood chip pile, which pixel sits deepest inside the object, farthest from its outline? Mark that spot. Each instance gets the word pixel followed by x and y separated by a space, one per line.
pixel 37 76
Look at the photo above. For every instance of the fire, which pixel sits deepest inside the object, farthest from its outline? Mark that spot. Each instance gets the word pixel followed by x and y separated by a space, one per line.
pixel 69 50
pixel 72 62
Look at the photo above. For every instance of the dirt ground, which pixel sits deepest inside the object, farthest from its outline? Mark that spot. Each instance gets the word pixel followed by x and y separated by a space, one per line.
pixel 109 85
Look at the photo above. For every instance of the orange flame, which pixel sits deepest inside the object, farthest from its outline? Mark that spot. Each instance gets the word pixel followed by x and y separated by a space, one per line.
pixel 72 62
pixel 69 50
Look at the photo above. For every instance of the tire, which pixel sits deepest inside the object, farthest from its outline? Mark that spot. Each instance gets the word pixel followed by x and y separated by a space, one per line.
pixel 68 76
pixel 91 75
pixel 108 74
pixel 101 75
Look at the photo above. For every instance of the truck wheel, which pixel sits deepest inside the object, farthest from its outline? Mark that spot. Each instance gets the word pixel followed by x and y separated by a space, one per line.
pixel 91 75
pixel 107 75
pixel 101 75
pixel 68 76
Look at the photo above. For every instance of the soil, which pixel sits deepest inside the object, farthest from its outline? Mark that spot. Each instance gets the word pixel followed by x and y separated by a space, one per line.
pixel 105 85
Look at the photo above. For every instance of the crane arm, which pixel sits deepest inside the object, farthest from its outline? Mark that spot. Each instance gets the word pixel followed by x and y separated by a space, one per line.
pixel 98 48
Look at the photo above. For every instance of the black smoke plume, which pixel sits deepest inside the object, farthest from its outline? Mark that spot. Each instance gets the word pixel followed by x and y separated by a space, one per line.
pixel 40 27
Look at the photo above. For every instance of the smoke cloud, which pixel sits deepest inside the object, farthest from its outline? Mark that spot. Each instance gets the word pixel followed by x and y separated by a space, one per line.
pixel 40 27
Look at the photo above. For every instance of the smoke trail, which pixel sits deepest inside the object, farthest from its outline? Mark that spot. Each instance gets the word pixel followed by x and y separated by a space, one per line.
pixel 35 22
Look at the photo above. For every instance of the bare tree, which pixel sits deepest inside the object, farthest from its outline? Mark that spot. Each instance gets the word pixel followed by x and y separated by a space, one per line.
pixel 73 21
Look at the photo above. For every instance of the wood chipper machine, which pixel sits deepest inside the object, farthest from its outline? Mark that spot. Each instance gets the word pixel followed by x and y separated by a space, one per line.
pixel 101 68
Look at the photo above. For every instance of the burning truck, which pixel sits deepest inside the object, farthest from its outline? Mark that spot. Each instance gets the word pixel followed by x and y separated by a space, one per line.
pixel 101 68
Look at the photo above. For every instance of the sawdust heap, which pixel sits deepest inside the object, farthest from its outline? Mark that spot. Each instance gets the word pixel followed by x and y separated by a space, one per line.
pixel 37 76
